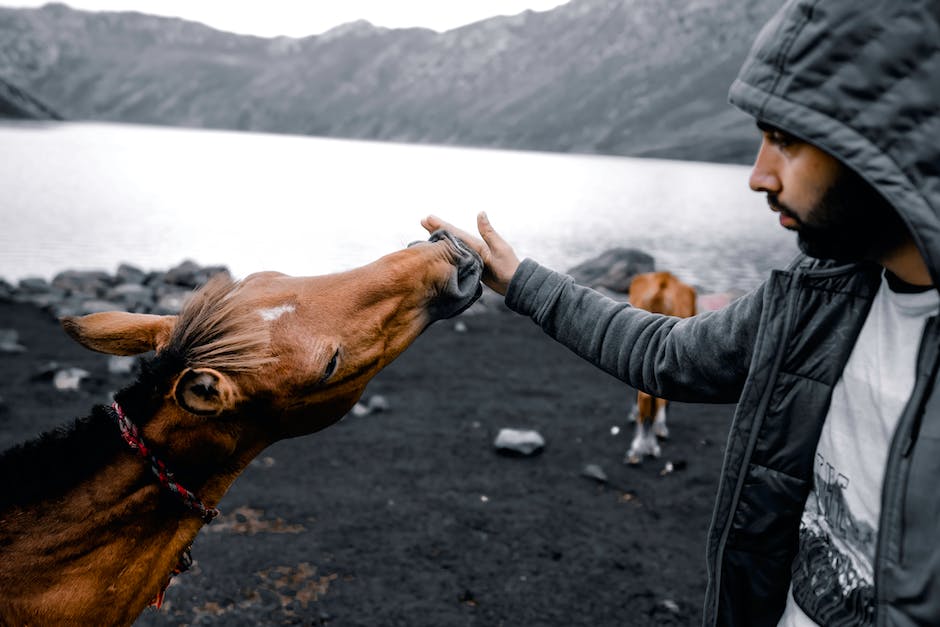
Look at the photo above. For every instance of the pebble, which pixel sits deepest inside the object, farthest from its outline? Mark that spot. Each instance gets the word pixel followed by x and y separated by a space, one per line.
pixel 10 341
pixel 519 442
pixel 69 379
pixel 593 471
pixel 120 364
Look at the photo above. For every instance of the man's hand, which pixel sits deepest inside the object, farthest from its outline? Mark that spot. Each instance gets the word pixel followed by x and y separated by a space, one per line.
pixel 499 260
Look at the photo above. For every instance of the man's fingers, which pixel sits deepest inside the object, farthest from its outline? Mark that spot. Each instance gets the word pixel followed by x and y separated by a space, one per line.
pixel 433 223
pixel 493 239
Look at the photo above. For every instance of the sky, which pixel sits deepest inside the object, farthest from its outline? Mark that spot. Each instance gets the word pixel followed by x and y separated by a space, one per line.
pixel 299 18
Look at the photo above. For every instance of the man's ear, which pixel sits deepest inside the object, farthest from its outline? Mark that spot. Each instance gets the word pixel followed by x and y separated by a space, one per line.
pixel 205 392
pixel 119 332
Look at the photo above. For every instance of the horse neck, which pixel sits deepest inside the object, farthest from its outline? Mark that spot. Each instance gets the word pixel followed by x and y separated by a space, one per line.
pixel 93 541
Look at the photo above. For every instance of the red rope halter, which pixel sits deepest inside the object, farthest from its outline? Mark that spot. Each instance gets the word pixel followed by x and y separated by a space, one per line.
pixel 164 476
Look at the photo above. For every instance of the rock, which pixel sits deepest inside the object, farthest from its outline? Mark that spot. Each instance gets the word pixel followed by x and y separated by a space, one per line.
pixel 672 467
pixel 85 283
pixel 170 304
pixel 132 296
pixel 359 410
pixel 130 274
pixel 97 306
pixel 10 341
pixel 190 274
pixel 378 403
pixel 43 300
pixel 613 269
pixel 593 471
pixel 519 442
pixel 34 285
pixel 670 605
pixel 69 379
pixel 183 274
pixel 121 365
pixel 460 326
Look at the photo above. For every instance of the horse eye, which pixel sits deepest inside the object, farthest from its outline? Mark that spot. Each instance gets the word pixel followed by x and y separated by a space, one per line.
pixel 331 367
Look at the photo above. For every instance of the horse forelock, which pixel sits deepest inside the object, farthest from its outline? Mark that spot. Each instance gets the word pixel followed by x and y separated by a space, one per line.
pixel 215 331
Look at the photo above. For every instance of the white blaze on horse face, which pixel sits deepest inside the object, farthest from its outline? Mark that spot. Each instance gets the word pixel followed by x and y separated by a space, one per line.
pixel 273 313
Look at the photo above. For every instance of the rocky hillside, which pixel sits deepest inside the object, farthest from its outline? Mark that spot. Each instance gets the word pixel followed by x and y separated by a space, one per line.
pixel 632 77
pixel 17 104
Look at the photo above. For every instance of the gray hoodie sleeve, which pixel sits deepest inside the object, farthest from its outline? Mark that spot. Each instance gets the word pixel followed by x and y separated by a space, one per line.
pixel 699 359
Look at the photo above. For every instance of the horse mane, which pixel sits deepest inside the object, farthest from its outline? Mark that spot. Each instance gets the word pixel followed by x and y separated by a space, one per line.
pixel 211 332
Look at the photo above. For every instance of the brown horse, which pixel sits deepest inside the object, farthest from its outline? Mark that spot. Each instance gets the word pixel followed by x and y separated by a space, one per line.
pixel 662 293
pixel 92 520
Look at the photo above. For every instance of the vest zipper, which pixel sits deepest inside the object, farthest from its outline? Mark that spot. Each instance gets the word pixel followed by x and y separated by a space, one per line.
pixel 902 445
pixel 793 293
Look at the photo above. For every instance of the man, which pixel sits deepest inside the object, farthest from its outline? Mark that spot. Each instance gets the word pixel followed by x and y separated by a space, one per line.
pixel 828 507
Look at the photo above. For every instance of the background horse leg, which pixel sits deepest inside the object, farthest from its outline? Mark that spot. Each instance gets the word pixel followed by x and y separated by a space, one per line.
pixel 644 440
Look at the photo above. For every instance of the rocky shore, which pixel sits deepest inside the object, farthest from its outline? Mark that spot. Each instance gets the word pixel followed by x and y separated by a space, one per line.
pixel 80 292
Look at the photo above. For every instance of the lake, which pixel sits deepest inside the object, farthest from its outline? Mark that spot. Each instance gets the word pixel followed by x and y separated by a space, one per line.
pixel 93 195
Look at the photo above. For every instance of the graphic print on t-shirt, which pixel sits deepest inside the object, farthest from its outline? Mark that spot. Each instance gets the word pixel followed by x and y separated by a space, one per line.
pixel 833 581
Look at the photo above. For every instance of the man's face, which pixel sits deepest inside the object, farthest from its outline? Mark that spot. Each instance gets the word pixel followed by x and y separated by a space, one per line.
pixel 835 213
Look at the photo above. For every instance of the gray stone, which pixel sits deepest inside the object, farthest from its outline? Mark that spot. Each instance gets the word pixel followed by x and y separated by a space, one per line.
pixel 593 471
pixel 360 410
pixel 69 379
pixel 91 283
pixel 460 326
pixel 519 442
pixel 183 274
pixel 190 274
pixel 34 285
pixel 378 403
pixel 170 303
pixel 10 341
pixel 613 269
pixel 133 295
pixel 121 365
pixel 97 306
pixel 127 273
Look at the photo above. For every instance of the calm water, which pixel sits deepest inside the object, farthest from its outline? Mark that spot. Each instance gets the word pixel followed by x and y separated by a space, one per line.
pixel 90 196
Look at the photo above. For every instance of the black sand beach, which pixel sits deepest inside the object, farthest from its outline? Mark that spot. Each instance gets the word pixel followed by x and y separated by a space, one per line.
pixel 409 517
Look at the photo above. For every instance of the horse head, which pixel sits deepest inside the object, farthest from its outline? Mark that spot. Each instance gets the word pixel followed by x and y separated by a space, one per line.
pixel 273 356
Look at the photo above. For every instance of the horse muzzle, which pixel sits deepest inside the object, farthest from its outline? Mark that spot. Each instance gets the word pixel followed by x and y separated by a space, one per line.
pixel 463 287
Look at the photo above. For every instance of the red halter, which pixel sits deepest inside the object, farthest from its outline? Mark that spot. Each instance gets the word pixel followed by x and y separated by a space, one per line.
pixel 163 474
pixel 165 477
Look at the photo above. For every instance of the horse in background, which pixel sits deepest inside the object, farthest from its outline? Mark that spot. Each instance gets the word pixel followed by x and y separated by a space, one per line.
pixel 662 293
pixel 96 517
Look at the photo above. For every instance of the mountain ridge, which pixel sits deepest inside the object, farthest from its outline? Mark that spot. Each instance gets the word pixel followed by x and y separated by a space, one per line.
pixel 620 77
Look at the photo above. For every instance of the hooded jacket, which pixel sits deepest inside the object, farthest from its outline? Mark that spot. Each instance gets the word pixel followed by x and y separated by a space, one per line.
pixel 862 82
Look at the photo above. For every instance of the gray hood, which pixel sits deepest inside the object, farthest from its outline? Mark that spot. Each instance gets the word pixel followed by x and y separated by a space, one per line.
pixel 861 80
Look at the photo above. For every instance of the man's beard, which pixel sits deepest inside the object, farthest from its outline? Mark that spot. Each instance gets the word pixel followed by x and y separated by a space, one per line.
pixel 852 222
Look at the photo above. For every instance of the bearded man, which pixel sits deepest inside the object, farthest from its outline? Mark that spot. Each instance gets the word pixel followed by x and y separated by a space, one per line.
pixel 827 509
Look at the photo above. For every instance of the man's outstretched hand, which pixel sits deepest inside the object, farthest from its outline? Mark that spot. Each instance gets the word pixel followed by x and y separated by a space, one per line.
pixel 499 260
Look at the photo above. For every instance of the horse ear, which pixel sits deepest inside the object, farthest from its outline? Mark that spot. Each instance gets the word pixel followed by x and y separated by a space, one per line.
pixel 119 332
pixel 204 391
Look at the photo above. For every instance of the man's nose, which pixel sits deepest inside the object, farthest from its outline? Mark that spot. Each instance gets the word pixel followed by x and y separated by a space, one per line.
pixel 764 176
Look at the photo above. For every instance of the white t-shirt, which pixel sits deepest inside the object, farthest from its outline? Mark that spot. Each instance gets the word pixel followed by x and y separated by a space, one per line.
pixel 833 571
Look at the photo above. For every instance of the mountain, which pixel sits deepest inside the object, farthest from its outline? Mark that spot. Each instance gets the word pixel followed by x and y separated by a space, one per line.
pixel 16 103
pixel 627 77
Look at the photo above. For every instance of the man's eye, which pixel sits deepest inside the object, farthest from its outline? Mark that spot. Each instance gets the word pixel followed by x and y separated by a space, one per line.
pixel 779 138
